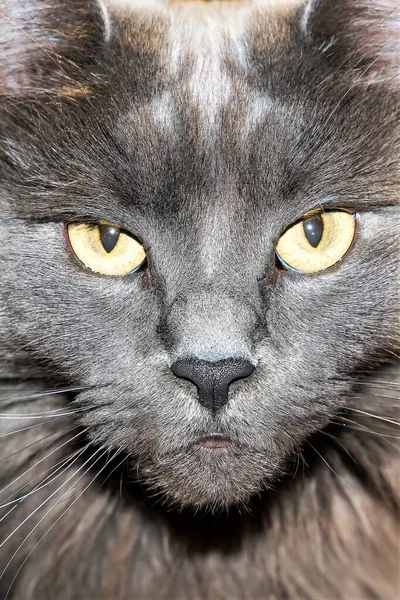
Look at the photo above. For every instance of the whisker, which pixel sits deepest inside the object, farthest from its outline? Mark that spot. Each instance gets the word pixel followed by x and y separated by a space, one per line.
pixel 113 470
pixel 57 520
pixel 42 439
pixel 338 441
pixel 33 467
pixel 390 80
pixel 322 458
pixel 297 465
pixel 56 418
pixel 60 464
pixel 38 415
pixel 49 497
pixel 380 418
pixel 383 396
pixel 29 446
pixel 386 350
pixel 53 392
pixel 118 465
pixel 381 383
pixel 57 438
pixel 363 428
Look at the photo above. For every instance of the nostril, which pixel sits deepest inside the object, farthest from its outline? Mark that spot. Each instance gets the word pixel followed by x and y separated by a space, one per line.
pixel 212 379
pixel 235 369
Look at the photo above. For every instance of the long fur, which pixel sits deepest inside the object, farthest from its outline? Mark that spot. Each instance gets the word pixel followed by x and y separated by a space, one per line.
pixel 206 138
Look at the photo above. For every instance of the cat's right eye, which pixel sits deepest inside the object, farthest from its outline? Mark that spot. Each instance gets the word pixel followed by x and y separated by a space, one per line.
pixel 105 249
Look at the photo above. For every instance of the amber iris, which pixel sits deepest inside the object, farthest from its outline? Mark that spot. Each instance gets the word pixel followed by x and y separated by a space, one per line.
pixel 317 242
pixel 105 249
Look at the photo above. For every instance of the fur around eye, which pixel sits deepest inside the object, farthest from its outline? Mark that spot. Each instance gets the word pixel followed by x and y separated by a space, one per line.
pixel 105 249
pixel 317 242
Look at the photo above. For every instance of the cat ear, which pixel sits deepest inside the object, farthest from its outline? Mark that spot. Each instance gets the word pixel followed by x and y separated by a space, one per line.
pixel 363 34
pixel 49 45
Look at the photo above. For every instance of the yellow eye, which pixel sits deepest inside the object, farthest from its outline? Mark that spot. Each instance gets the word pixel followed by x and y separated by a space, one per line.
pixel 105 249
pixel 317 242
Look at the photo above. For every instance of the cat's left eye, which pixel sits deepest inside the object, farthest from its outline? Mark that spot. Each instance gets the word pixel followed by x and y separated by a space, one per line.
pixel 317 242
pixel 105 249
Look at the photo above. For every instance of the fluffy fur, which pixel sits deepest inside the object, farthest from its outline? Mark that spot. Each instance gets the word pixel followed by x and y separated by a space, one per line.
pixel 205 129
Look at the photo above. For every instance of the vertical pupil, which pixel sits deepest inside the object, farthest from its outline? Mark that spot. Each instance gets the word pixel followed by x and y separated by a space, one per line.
pixel 109 236
pixel 313 230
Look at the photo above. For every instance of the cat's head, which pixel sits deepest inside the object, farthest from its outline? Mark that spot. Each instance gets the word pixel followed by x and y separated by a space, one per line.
pixel 185 143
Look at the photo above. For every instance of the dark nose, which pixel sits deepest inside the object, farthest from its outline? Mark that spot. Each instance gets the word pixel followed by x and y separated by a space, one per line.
pixel 212 379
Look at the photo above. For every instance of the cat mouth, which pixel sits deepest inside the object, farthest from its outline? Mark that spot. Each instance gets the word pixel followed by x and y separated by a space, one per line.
pixel 215 441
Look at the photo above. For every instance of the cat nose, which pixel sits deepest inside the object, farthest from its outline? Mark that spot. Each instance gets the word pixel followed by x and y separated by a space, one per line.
pixel 212 379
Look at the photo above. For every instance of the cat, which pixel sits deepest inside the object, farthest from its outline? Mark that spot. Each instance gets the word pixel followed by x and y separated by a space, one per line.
pixel 199 275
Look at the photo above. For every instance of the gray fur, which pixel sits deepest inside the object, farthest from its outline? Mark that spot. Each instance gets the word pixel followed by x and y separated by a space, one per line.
pixel 112 133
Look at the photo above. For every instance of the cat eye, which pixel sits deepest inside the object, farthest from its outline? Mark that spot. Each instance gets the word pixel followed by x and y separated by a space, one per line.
pixel 105 249
pixel 317 242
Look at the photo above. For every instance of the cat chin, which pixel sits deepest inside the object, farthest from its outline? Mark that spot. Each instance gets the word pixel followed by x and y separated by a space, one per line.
pixel 210 479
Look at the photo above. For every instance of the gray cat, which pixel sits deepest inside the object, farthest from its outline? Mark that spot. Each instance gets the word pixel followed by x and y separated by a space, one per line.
pixel 199 281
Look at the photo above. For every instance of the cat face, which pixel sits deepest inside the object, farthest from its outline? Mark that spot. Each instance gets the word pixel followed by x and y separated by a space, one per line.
pixel 212 363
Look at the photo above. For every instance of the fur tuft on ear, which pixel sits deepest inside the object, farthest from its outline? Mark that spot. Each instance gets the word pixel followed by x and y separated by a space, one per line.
pixel 363 34
pixel 46 45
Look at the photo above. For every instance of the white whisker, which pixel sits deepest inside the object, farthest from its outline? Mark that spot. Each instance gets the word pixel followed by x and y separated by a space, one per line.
pixel 52 508
pixel 49 497
pixel 53 392
pixel 38 416
pixel 29 427
pixel 322 458
pixel 33 467
pixel 368 414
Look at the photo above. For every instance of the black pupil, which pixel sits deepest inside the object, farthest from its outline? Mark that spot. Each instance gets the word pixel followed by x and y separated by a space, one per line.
pixel 313 230
pixel 109 236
